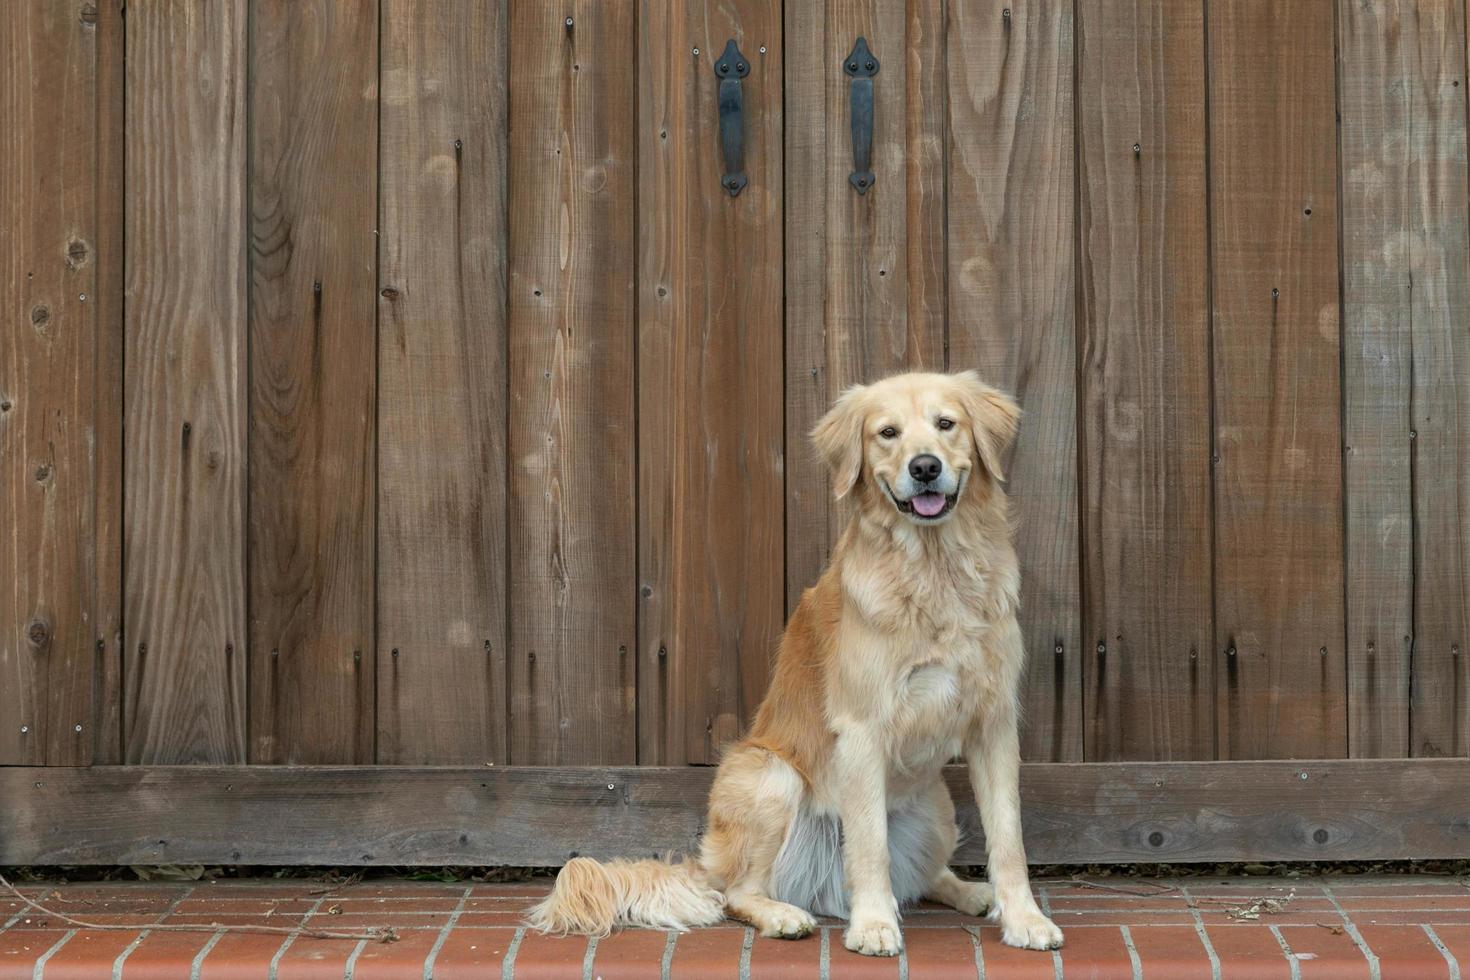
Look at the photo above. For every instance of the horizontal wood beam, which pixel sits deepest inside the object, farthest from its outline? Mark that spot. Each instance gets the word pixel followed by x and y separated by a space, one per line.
pixel 1074 813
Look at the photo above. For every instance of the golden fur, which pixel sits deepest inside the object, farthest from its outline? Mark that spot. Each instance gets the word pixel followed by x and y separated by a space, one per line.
pixel 904 655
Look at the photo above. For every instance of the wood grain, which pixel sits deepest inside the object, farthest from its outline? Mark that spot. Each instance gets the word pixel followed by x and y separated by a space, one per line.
pixel 573 653
pixel 186 387
pixel 1278 482
pixel 1377 63
pixel 442 383
pixel 48 278
pixel 1079 813
pixel 1439 316
pixel 1012 312
pixel 868 270
pixel 111 128
pixel 710 413
pixel 1144 382
pixel 313 194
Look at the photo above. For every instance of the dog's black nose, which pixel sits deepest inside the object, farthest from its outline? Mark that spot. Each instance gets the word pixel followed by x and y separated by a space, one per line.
pixel 925 468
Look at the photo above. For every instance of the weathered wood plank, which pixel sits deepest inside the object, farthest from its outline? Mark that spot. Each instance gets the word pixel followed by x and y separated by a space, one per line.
pixel 1012 311
pixel 869 269
pixel 710 420
pixel 442 383
pixel 186 386
pixel 1144 382
pixel 573 651
pixel 111 103
pixel 313 203
pixel 1077 813
pixel 1278 489
pixel 1389 142
pixel 48 279
pixel 1439 316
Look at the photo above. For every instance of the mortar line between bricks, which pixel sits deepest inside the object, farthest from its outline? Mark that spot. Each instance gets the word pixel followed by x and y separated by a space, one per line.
pixel 1444 950
pixel 667 964
pixel 1204 937
pixel 117 964
pixel 1056 955
pixel 825 962
pixel 351 966
pixel 903 961
pixel 198 963
pixel 1132 953
pixel 1374 971
pixel 974 932
pixel 1291 961
pixel 508 968
pixel 589 956
pixel 286 943
pixel 40 967
pixel 747 943
pixel 444 933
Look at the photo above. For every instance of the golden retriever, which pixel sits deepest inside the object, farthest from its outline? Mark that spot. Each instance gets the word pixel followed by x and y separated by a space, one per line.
pixel 905 654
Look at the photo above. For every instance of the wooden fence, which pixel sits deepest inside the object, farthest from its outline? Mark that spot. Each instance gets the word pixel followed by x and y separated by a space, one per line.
pixel 393 383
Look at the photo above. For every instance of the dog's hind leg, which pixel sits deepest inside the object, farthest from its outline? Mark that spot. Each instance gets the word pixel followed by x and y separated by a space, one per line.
pixel 945 887
pixel 754 799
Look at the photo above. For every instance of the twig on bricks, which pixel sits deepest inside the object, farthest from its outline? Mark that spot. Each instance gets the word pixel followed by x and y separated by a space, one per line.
pixel 385 935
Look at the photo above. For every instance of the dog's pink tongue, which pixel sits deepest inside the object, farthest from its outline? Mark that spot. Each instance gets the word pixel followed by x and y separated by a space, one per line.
pixel 928 504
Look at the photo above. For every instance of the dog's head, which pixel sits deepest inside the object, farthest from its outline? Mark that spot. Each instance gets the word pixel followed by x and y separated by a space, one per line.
pixel 917 440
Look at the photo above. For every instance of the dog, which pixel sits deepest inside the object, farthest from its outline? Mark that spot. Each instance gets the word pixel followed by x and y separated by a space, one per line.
pixel 906 654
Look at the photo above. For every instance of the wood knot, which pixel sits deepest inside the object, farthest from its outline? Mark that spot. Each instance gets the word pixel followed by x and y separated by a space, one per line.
pixel 40 316
pixel 42 472
pixel 389 293
pixel 38 633
pixel 76 253
pixel 89 13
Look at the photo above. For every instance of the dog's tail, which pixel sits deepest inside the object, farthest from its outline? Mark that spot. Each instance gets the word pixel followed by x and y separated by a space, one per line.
pixel 592 899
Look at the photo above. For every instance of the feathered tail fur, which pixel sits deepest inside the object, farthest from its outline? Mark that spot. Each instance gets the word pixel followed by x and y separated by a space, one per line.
pixel 591 898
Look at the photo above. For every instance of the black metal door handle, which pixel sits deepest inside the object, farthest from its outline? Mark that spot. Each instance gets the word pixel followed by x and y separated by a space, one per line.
pixel 730 69
pixel 862 66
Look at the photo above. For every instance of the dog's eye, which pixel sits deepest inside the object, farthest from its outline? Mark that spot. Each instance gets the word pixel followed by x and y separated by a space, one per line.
pixel 946 424
pixel 888 432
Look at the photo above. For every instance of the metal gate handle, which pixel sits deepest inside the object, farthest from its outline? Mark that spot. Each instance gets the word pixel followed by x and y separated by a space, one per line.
pixel 862 66
pixel 730 69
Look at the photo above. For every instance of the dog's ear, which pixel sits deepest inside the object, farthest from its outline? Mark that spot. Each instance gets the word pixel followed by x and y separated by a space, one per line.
pixel 994 418
pixel 839 440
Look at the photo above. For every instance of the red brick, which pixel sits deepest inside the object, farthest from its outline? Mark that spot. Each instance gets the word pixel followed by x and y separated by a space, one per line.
pixel 162 955
pixel 394 961
pixel 1067 920
pixel 1458 903
pixel 309 959
pixel 88 954
pixel 1404 953
pixel 783 959
pixel 1175 952
pixel 845 963
pixel 469 920
pixel 1004 962
pixel 629 955
pixel 1456 939
pixel 240 956
pixel 940 954
pixel 1248 951
pixel 472 954
pixel 1435 918
pixel 20 948
pixel 1099 953
pixel 1344 887
pixel 710 953
pixel 1336 953
pixel 550 957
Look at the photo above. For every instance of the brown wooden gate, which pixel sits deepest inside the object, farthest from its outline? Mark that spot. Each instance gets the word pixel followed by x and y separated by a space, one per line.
pixel 402 430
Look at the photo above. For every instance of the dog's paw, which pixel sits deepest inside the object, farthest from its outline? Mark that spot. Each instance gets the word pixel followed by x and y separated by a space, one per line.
pixel 788 923
pixel 1030 930
pixel 873 937
pixel 977 898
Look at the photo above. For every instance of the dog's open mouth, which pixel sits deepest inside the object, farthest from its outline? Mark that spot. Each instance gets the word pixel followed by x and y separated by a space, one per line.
pixel 928 506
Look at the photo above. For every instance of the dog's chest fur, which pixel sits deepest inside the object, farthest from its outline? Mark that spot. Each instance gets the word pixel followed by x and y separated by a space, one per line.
pixel 922 624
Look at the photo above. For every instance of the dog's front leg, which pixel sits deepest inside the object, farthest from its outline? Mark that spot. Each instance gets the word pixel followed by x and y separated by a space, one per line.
pixel 862 776
pixel 994 756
